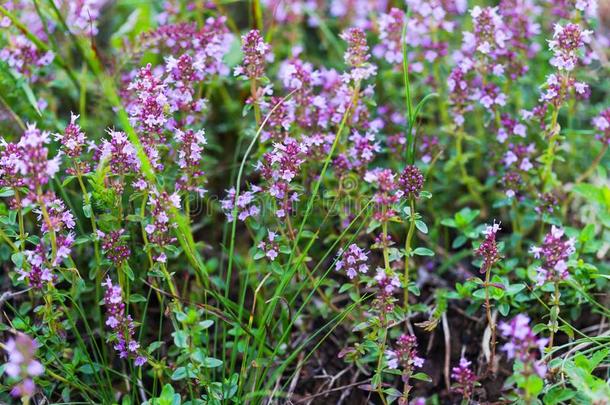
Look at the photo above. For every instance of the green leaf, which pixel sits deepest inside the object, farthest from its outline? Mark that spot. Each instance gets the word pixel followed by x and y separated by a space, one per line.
pixel 422 251
pixel 133 298
pixel 514 288
pixel 180 338
pixel 421 225
pixel 421 377
pixel 211 362
pixel 557 395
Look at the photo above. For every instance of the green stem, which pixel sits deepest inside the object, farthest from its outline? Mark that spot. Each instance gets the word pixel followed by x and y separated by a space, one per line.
pixel 408 240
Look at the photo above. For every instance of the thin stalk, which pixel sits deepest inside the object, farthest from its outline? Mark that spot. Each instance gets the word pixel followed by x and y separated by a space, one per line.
pixel 408 240
pixel 490 321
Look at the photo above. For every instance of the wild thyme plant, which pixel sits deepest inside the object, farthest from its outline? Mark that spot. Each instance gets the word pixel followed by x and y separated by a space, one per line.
pixel 275 202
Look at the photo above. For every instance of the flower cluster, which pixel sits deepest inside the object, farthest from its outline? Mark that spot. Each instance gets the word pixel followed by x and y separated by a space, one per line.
pixel 523 344
pixel 488 249
pixel 244 205
pixel 122 158
pixel 465 379
pixel 404 356
pixel 189 160
pixel 390 36
pixel 158 230
pixel 554 253
pixel 22 365
pixel 270 247
pixel 256 52
pixel 357 55
pixel 208 44
pixel 566 44
pixel 352 260
pixel 114 246
pixel 602 124
pixel 279 167
pixel 387 192
pixel 121 325
pixel 411 181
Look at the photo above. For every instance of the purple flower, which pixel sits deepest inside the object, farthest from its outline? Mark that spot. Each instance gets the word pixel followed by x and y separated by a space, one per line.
pixel 404 355
pixel 189 160
pixel 114 246
pixel 488 249
pixel 270 247
pixel 554 253
pixel 411 181
pixel 207 45
pixel 566 44
pixel 464 377
pixel 244 204
pixel 122 158
pixel 160 226
pixel 121 325
pixel 522 343
pixel 256 51
pixel 352 260
pixel 22 365
pixel 602 124
pixel 390 36
pixel 357 55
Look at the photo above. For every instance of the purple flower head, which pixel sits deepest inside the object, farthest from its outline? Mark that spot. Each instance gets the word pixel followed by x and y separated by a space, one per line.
pixel 73 139
pixel 29 160
pixel 490 33
pixel 387 193
pixel 352 260
pixel 390 36
pixel 522 343
pixel 357 55
pixel 148 111
pixel 270 246
pixel 411 181
pixel 122 158
pixel 488 249
pixel 121 325
pixel 245 204
pixel 554 253
pixel 404 355
pixel 256 51
pixel 114 246
pixel 464 378
pixel 191 145
pixel 602 124
pixel 160 226
pixel 566 44
pixel 22 365
pixel 207 45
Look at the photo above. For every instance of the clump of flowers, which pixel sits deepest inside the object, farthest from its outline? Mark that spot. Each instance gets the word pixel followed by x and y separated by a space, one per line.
pixel 464 378
pixel 602 124
pixel 411 181
pixel 121 324
pixel 554 253
pixel 352 260
pixel 566 44
pixel 488 249
pixel 244 205
pixel 523 344
pixel 22 365
pixel 256 51
pixel 404 356
pixel 357 55
pixel 122 159
pixel 114 246
pixel 189 160
pixel 270 247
